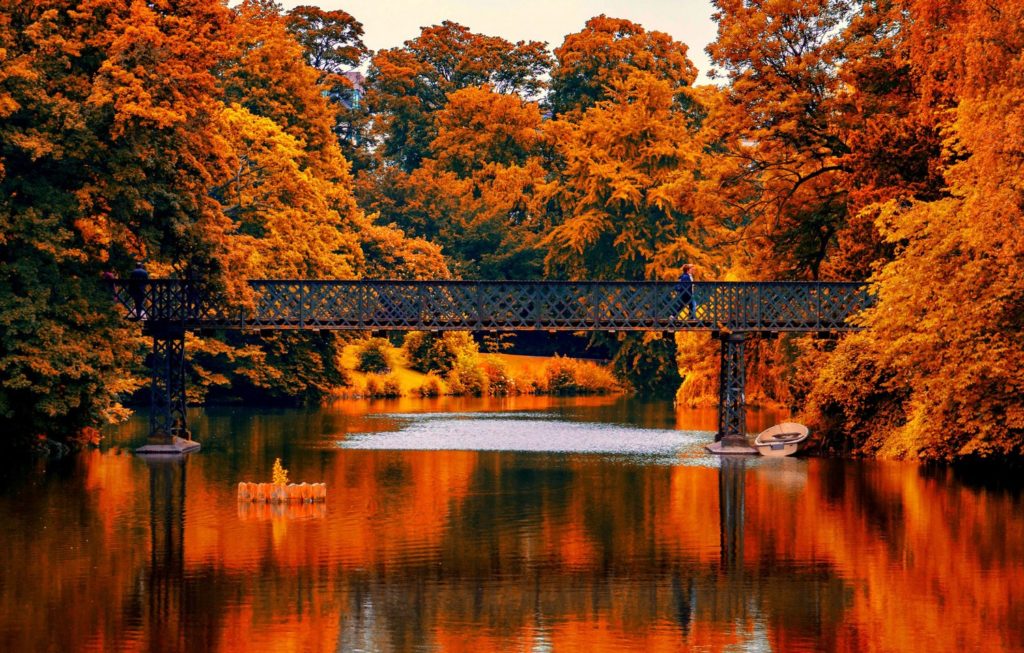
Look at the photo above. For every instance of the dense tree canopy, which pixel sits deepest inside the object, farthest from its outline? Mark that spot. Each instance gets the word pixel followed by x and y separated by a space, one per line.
pixel 332 40
pixel 938 371
pixel 107 144
pixel 406 86
pixel 184 134
pixel 626 184
pixel 609 50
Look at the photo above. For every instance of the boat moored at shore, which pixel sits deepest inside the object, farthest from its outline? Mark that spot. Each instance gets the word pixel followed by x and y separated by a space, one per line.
pixel 781 440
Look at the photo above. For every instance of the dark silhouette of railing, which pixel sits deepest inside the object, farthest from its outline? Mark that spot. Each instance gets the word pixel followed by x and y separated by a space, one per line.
pixel 733 310
pixel 502 305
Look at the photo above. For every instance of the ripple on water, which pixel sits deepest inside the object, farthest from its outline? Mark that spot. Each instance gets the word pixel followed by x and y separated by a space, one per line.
pixel 442 432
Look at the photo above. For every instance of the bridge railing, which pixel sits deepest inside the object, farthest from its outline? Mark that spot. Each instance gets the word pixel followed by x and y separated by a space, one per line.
pixel 500 305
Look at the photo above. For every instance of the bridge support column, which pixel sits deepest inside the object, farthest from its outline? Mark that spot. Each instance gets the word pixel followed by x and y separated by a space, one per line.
pixel 168 425
pixel 732 407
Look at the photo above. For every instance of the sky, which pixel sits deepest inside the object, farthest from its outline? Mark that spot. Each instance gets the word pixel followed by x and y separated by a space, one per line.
pixel 389 23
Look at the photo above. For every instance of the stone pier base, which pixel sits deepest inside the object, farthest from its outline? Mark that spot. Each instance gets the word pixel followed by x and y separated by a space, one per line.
pixel 732 445
pixel 173 447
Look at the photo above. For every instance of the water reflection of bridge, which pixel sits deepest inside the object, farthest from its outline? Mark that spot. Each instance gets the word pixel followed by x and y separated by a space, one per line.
pixel 493 583
pixel 732 311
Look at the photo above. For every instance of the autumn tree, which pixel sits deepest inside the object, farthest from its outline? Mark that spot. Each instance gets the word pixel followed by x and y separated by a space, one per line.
pixel 333 45
pixel 185 134
pixel 625 160
pixel 937 372
pixel 609 50
pixel 462 175
pixel 269 77
pixel 625 185
pixel 407 85
pixel 107 143
pixel 821 123
pixel 288 193
pixel 891 127
pixel 286 215
pixel 788 183
pixel 332 40
pixel 479 189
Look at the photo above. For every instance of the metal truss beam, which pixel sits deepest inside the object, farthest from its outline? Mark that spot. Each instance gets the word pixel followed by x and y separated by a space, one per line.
pixel 168 308
pixel 167 418
pixel 768 307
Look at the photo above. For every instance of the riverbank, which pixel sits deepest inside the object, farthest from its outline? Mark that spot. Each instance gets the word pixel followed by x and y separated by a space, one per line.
pixel 470 374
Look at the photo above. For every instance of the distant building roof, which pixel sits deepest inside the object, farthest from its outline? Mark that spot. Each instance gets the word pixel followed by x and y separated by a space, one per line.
pixel 357 78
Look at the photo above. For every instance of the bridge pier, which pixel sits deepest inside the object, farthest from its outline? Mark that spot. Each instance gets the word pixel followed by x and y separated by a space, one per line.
pixel 732 406
pixel 168 425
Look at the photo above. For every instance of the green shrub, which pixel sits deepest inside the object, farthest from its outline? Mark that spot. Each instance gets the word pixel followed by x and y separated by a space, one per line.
pixel 499 382
pixel 432 386
pixel 467 377
pixel 374 356
pixel 565 376
pixel 372 387
pixel 559 377
pixel 391 388
pixel 592 378
pixel 437 352
pixel 382 387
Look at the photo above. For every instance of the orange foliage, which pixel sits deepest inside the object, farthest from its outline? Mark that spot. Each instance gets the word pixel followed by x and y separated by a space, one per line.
pixel 942 358
pixel 866 140
pixel 626 185
pixel 107 137
pixel 607 51
pixel 785 181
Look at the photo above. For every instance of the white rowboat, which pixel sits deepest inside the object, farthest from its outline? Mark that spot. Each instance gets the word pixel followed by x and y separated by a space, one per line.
pixel 781 440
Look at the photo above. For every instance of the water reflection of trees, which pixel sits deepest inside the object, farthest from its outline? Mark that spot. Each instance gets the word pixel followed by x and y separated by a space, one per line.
pixel 495 551
pixel 806 557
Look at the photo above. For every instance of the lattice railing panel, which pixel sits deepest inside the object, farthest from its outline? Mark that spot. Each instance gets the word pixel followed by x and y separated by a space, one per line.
pixel 786 307
pixel 327 306
pixel 278 304
pixel 837 304
pixel 506 304
pixel 500 305
pixel 450 307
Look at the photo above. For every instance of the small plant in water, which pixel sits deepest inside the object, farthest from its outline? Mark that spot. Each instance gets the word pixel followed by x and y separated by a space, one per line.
pixel 280 473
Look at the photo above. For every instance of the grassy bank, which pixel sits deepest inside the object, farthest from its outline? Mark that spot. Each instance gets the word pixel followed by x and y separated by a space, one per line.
pixel 454 366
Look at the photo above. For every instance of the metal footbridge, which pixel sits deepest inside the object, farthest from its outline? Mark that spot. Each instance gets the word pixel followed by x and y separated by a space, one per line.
pixel 733 311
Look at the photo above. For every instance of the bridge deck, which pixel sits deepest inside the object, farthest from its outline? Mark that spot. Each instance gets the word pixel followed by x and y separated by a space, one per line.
pixel 500 305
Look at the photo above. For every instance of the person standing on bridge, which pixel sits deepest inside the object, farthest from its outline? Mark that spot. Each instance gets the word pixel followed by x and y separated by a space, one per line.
pixel 685 289
pixel 137 289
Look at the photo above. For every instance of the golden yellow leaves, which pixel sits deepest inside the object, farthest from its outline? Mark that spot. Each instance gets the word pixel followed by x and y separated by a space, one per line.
pixel 626 184
pixel 939 369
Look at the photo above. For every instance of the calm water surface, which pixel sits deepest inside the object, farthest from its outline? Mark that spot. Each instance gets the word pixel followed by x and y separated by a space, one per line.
pixel 528 525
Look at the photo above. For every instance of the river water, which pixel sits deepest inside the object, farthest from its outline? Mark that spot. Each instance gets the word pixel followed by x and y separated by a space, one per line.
pixel 526 524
